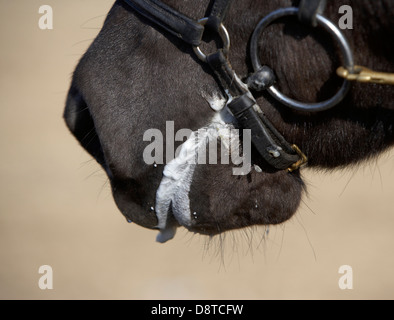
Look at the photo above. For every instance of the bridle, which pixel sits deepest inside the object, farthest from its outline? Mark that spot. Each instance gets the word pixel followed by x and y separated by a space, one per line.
pixel 270 144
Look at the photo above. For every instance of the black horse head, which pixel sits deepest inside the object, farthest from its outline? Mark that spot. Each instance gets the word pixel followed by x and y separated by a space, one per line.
pixel 137 80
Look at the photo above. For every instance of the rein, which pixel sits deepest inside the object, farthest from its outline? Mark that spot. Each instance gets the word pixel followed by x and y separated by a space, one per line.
pixel 270 144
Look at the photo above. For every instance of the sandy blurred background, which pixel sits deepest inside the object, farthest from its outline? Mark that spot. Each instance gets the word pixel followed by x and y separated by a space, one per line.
pixel 56 207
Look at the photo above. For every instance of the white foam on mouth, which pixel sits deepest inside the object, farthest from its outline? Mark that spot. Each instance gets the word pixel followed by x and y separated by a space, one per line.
pixel 178 173
pixel 174 189
pixel 216 101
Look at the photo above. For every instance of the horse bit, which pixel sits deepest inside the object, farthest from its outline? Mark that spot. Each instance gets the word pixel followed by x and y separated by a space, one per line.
pixel 270 144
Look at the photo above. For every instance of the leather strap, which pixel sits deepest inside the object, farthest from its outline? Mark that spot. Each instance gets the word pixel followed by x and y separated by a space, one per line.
pixel 169 19
pixel 308 9
pixel 225 74
pixel 218 13
pixel 270 144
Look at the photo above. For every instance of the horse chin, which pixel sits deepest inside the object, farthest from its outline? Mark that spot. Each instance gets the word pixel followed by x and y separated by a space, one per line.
pixel 219 202
pixel 214 200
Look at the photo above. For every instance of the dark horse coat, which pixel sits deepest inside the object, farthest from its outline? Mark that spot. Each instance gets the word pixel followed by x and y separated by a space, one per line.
pixel 135 77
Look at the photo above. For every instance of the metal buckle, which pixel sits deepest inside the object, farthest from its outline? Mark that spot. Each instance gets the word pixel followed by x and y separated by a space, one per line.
pixel 303 159
pixel 223 35
pixel 365 75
